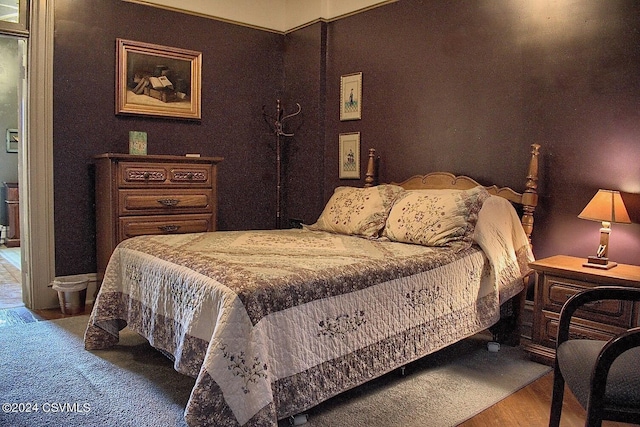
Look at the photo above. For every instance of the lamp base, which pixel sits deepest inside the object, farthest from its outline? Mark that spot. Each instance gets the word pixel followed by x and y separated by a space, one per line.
pixel 599 262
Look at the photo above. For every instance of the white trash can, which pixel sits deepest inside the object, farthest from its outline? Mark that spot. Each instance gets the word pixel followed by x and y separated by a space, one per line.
pixel 71 294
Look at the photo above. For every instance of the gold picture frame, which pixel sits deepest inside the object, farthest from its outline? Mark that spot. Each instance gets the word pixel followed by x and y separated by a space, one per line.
pixel 351 97
pixel 350 155
pixel 161 81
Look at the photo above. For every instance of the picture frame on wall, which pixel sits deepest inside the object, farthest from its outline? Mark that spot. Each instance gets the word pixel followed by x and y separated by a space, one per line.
pixel 12 140
pixel 349 155
pixel 160 81
pixel 351 96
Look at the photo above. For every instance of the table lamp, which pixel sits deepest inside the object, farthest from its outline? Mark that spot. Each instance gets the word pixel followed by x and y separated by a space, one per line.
pixel 606 206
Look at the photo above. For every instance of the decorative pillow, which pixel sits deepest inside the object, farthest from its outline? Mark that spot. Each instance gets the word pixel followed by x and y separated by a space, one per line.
pixel 357 211
pixel 435 217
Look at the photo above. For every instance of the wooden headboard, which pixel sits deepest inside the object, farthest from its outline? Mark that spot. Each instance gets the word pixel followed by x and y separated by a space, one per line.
pixel 527 200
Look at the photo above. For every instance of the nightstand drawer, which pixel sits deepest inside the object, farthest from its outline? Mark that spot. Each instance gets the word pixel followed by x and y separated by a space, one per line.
pixel 578 330
pixel 557 290
pixel 148 202
pixel 167 224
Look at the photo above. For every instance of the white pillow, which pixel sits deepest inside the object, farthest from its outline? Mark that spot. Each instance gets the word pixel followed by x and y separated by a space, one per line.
pixel 357 211
pixel 435 217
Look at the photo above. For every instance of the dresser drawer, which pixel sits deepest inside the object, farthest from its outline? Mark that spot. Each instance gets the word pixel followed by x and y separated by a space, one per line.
pixel 132 174
pixel 579 329
pixel 164 224
pixel 148 202
pixel 557 290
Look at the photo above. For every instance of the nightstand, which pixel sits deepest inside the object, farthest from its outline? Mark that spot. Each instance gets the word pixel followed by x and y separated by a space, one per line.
pixel 558 278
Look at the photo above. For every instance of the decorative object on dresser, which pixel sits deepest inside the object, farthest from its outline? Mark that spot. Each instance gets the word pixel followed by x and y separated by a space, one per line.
pixel 137 142
pixel 152 194
pixel 606 206
pixel 558 278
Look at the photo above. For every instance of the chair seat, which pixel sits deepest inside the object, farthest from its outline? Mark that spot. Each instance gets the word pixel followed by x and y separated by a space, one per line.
pixel 577 356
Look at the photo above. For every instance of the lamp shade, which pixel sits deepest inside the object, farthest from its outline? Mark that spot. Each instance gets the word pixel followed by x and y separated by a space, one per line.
pixel 606 205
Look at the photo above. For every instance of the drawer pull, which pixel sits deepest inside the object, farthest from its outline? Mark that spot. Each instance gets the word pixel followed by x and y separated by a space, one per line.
pixel 168 202
pixel 144 175
pixel 169 228
pixel 190 176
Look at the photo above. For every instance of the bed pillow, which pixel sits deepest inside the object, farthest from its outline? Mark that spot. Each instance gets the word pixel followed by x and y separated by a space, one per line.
pixel 435 217
pixel 357 211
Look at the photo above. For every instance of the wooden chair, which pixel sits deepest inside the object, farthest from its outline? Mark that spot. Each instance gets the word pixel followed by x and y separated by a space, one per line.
pixel 604 376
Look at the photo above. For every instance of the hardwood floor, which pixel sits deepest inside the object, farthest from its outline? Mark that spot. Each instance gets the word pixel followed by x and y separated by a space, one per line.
pixel 21 315
pixel 530 407
pixel 10 287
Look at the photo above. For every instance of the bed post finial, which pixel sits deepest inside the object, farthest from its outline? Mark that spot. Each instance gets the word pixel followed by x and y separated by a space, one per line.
pixel 372 175
pixel 530 195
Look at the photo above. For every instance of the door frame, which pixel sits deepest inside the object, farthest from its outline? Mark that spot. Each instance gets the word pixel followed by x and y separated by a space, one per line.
pixel 35 169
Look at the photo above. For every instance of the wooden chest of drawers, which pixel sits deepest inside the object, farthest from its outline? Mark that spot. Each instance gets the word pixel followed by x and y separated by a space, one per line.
pixel 138 195
pixel 560 277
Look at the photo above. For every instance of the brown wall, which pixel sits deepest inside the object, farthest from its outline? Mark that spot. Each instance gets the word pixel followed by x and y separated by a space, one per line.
pixel 242 70
pixel 459 86
pixel 305 82
pixel 468 86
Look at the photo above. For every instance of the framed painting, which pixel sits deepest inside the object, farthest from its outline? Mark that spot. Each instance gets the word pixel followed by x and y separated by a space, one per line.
pixel 351 97
pixel 12 140
pixel 154 80
pixel 350 155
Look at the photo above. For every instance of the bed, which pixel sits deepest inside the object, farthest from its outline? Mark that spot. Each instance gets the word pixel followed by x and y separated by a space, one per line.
pixel 272 322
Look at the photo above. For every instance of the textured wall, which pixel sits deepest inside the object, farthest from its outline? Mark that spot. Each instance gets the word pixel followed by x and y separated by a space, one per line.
pixel 468 86
pixel 458 86
pixel 242 70
pixel 305 70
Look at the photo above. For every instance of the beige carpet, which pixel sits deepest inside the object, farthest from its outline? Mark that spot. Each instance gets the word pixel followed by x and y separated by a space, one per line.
pixel 134 385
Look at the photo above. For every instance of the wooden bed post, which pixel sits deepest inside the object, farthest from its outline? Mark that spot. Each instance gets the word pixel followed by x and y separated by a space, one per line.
pixel 530 195
pixel 372 173
pixel 509 329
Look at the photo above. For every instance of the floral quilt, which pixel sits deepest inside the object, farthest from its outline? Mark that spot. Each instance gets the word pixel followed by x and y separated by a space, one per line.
pixel 271 323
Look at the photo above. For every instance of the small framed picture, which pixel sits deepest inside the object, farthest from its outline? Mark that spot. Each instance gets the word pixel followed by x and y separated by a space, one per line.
pixel 137 142
pixel 350 155
pixel 351 97
pixel 12 140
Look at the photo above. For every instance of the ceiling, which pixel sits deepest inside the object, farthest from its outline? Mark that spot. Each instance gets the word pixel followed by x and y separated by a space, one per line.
pixel 273 15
